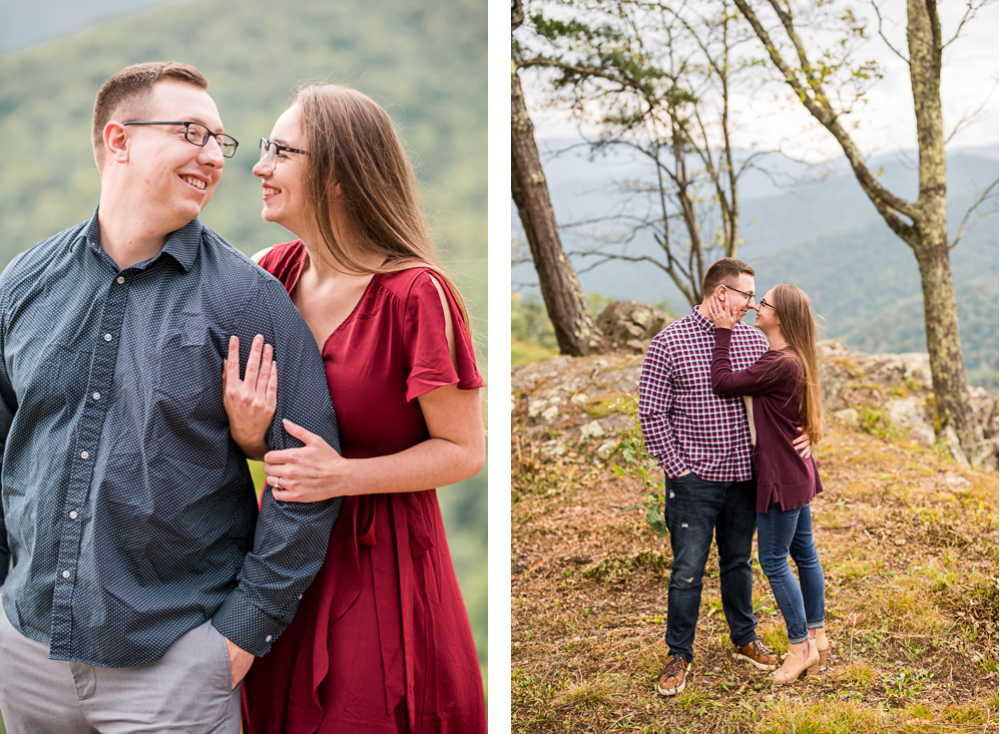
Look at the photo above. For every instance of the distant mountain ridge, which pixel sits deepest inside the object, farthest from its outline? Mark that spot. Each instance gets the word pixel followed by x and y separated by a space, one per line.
pixel 807 224
pixel 27 23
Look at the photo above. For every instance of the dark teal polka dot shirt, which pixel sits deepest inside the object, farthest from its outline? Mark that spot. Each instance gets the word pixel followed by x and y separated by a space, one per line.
pixel 128 511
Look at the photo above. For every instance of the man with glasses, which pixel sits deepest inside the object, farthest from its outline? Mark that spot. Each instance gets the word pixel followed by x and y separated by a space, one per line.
pixel 702 442
pixel 144 582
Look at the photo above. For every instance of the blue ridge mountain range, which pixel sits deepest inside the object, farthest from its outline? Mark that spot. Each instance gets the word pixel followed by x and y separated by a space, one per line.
pixel 808 224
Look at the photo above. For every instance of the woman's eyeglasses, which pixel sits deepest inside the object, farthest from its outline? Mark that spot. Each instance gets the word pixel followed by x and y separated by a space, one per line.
pixel 270 150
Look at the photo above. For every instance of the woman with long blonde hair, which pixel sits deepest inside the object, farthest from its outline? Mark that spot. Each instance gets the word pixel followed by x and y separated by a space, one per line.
pixel 783 393
pixel 381 640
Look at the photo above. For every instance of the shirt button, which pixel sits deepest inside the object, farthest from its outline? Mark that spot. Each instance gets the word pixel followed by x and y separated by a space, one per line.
pixel 97 396
pixel 65 574
pixel 267 639
pixel 84 454
pixel 72 515
pixel 107 337
pixel 119 280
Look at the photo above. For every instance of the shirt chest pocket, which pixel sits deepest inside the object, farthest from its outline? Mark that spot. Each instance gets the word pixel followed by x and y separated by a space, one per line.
pixel 693 375
pixel 58 378
pixel 188 370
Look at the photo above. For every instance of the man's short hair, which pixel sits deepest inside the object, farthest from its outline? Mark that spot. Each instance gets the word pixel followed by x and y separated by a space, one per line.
pixel 724 272
pixel 129 88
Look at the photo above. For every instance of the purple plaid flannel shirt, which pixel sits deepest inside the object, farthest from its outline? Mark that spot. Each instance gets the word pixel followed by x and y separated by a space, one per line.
pixel 685 425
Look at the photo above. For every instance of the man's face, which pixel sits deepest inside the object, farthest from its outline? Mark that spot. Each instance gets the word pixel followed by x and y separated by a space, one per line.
pixel 169 173
pixel 732 298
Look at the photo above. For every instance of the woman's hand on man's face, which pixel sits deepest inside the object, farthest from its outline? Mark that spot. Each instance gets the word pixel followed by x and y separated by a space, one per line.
pixel 723 314
pixel 250 403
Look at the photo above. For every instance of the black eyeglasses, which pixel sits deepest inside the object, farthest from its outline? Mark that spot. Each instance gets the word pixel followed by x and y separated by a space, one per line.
pixel 748 295
pixel 197 134
pixel 271 149
pixel 765 303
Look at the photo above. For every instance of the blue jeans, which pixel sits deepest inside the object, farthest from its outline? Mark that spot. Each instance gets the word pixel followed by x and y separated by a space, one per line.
pixel 694 509
pixel 780 533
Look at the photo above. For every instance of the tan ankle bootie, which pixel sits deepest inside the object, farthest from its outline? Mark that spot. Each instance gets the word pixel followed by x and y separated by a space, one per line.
pixel 801 656
pixel 818 638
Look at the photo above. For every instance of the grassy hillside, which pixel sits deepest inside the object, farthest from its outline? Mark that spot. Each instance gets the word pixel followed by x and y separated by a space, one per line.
pixel 908 545
pixel 426 63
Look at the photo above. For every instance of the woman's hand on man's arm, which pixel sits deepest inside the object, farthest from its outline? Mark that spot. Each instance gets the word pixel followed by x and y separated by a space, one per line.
pixel 250 403
pixel 455 451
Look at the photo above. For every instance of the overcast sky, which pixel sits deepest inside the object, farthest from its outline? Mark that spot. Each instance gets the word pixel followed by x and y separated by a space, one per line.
pixel 887 124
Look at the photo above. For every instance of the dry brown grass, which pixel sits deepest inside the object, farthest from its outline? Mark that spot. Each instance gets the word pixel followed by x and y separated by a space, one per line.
pixel 909 545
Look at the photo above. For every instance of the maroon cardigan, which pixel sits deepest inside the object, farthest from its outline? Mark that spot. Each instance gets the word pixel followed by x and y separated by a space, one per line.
pixel 782 475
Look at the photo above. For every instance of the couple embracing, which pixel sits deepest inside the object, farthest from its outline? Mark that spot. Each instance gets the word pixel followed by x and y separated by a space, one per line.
pixel 734 465
pixel 143 359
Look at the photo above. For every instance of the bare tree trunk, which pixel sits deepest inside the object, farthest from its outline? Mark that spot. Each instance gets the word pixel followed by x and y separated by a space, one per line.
pixel 951 392
pixel 927 231
pixel 930 245
pixel 561 292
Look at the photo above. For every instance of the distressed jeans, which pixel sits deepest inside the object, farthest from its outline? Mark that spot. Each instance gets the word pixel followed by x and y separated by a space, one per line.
pixel 784 532
pixel 694 509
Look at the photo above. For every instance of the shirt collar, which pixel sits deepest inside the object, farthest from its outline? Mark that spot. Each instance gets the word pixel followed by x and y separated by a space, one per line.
pixel 181 244
pixel 701 322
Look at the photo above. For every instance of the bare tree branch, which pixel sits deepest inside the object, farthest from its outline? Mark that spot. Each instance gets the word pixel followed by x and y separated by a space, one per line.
pixel 816 102
pixel 969 115
pixel 878 14
pixel 962 231
pixel 516 15
pixel 971 8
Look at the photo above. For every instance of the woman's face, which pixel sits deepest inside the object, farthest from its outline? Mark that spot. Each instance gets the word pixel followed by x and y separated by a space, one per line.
pixel 284 192
pixel 767 318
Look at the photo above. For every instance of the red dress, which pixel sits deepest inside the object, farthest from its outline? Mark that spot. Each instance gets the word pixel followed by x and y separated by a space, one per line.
pixel 381 640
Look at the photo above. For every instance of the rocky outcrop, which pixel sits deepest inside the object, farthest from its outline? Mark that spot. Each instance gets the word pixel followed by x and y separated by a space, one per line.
pixel 568 400
pixel 892 393
pixel 630 325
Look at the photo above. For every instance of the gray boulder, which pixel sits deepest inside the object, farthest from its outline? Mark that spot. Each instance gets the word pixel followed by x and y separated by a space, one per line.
pixel 630 325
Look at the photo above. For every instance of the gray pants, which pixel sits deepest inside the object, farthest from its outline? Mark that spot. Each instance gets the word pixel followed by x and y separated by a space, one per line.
pixel 187 690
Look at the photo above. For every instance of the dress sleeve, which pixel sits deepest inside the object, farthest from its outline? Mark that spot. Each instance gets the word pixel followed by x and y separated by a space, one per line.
pixel 760 378
pixel 426 345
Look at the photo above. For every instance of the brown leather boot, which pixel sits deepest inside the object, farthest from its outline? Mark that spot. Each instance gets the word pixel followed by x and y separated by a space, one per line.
pixel 757 654
pixel 674 676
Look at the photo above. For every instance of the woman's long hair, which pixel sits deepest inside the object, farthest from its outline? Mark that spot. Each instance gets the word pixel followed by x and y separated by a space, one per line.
pixel 352 142
pixel 798 326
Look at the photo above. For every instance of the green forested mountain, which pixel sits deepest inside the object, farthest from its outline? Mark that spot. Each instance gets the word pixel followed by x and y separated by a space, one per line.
pixel 866 286
pixel 805 224
pixel 25 24
pixel 424 62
